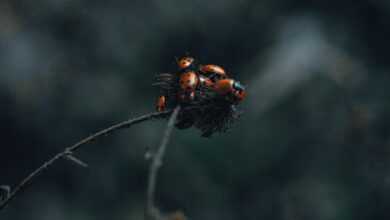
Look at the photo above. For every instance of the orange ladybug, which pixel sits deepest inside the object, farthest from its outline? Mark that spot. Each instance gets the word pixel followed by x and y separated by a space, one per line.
pixel 188 83
pixel 161 103
pixel 212 71
pixel 230 88
pixel 185 62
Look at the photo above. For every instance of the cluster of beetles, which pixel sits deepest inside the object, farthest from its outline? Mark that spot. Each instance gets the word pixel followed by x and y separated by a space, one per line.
pixel 207 92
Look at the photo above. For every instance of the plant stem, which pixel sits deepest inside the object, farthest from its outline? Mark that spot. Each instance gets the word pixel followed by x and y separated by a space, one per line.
pixel 70 150
pixel 151 211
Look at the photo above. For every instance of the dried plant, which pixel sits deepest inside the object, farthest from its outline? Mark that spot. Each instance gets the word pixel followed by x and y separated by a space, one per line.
pixel 210 112
pixel 68 153
pixel 152 212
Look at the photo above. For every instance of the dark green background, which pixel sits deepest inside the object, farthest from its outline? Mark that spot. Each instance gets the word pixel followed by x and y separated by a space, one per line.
pixel 312 142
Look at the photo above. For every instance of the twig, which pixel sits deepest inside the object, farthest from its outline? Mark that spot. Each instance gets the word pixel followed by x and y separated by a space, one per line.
pixel 68 152
pixel 151 211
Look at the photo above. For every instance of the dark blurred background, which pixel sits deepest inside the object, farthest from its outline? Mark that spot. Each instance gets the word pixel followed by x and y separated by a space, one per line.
pixel 312 142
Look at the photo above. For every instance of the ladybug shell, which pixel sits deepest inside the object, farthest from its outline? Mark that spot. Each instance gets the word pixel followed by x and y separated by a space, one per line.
pixel 188 81
pixel 185 62
pixel 213 69
pixel 224 86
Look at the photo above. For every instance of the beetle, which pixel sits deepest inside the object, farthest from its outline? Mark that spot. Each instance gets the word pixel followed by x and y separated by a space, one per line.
pixel 188 83
pixel 185 63
pixel 233 90
pixel 212 71
pixel 161 103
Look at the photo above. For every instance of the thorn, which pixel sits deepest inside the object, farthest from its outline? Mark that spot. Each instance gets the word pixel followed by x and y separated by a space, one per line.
pixel 76 160
pixel 148 154
pixel 158 83
pixel 164 74
pixel 6 190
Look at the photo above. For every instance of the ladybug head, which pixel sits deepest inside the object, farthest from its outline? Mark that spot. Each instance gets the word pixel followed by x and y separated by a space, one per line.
pixel 239 91
pixel 185 62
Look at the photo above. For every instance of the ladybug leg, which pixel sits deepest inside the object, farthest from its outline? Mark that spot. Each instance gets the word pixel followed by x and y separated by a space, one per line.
pixel 181 96
pixel 191 95
pixel 161 103
pixel 240 95
pixel 186 96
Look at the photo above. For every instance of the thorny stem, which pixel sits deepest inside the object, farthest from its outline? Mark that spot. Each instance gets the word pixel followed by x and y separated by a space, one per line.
pixel 69 151
pixel 151 212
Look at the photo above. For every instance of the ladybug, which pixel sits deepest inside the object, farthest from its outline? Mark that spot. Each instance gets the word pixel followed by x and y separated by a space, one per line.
pixel 231 89
pixel 188 83
pixel 186 63
pixel 214 72
pixel 161 103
